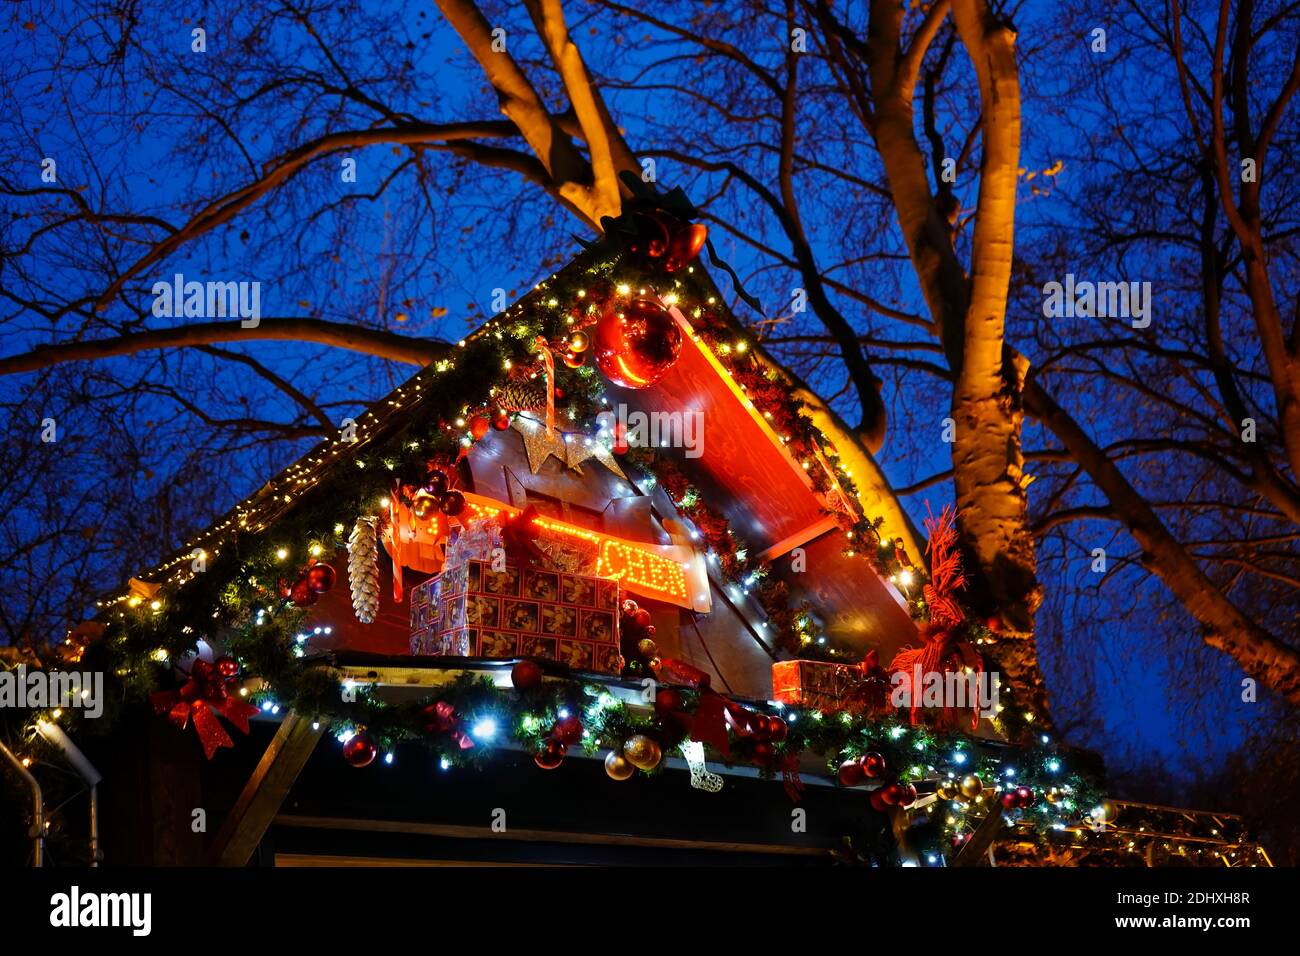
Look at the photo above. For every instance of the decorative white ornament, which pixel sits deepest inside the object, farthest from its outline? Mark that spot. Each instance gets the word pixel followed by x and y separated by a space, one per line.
pixel 702 778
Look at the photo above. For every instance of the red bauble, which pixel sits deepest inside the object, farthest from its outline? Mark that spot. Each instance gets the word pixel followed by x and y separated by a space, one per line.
pixel 637 343
pixel 551 755
pixel 301 594
pixel 907 794
pixel 500 420
pixel 891 795
pixel 851 774
pixel 478 427
pixel 685 245
pixel 776 729
pixel 227 667
pixel 452 503
pixel 1024 797
pixel 641 617
pixel 525 675
pixel 360 750
pixel 568 730
pixel 620 446
pixel 762 752
pixel 1010 799
pixel 760 727
pixel 878 802
pixel 651 236
pixel 575 359
pixel 436 484
pixel 321 577
pixel 873 764
pixel 667 701
pixel 628 608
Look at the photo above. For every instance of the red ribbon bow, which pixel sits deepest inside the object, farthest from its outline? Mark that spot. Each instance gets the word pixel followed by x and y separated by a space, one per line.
pixel 442 719
pixel 201 698
pixel 519 534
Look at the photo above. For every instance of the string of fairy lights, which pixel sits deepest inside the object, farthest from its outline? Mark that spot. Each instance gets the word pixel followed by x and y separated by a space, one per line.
pixel 222 583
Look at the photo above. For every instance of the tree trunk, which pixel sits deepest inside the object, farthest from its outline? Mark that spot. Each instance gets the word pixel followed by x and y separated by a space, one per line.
pixel 1261 655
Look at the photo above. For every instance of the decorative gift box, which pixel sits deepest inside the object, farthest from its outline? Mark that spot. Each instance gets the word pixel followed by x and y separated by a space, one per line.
pixel 472 611
pixel 823 685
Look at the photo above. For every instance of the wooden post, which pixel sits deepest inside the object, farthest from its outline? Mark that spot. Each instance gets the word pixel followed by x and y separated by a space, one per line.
pixel 972 854
pixel 260 801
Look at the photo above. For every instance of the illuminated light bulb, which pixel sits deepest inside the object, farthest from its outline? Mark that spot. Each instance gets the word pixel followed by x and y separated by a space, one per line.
pixel 57 713
pixel 485 729
pixel 388 759
pixel 281 554
pixel 384 502
pixel 314 550
pixel 905 577
pixel 444 763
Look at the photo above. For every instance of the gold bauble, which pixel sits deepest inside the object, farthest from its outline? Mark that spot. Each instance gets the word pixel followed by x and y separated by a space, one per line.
pixel 579 342
pixel 949 790
pixel 424 506
pixel 642 752
pixel 1053 795
pixel 1105 812
pixel 647 648
pixel 971 785
pixel 617 766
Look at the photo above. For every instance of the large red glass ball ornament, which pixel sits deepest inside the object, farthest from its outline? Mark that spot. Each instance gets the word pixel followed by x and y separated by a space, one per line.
pixel 551 755
pixel 892 795
pixel 873 764
pixel 878 801
pixel 907 794
pixel 668 701
pixel 500 419
pixel 568 730
pixel 776 729
pixel 762 752
pixel 478 427
pixel 321 577
pixel 302 595
pixel 641 617
pixel 1024 797
pixel 453 503
pixel 1010 800
pixel 685 245
pixel 851 774
pixel 227 667
pixel 360 750
pixel 637 343
pixel 525 675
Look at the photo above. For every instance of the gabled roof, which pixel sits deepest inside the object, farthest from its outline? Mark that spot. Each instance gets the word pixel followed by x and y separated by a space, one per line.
pixel 410 403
